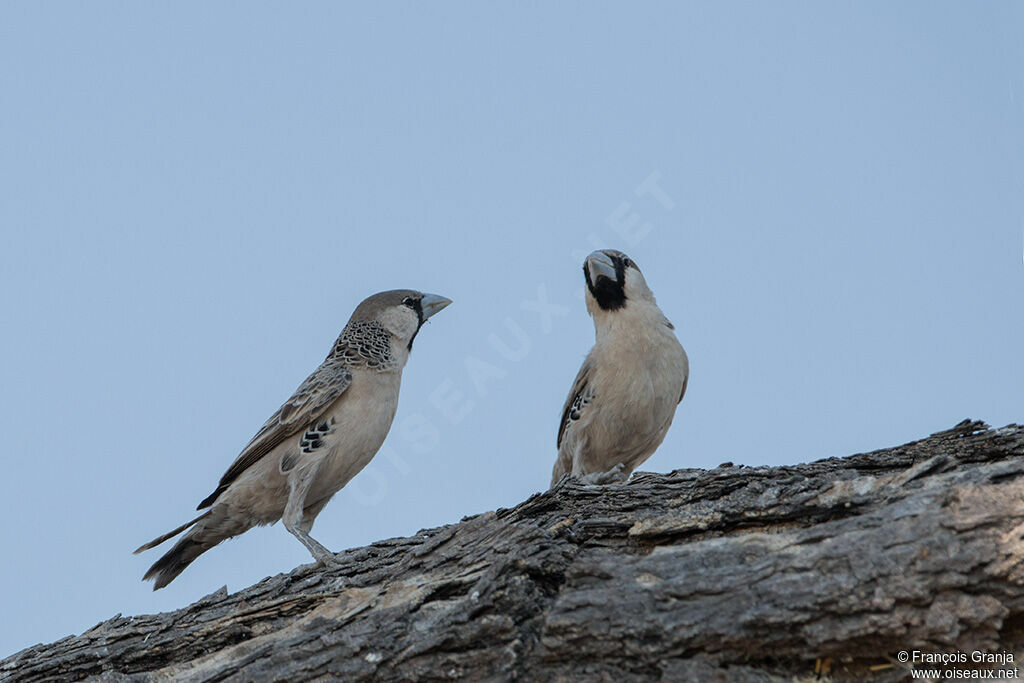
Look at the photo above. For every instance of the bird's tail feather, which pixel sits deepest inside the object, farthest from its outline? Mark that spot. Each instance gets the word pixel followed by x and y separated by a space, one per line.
pixel 187 549
pixel 170 534
pixel 184 552
pixel 208 529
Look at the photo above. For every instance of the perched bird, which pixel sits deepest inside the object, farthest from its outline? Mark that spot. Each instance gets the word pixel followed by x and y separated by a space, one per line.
pixel 625 395
pixel 321 437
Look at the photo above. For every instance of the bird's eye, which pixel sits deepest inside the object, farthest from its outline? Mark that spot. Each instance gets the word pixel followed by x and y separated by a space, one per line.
pixel 409 301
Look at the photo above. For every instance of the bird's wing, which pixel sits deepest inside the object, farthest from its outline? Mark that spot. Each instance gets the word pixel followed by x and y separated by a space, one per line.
pixel 686 375
pixel 579 396
pixel 307 404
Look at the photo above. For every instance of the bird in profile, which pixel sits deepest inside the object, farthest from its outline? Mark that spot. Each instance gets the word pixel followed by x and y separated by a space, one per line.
pixel 625 395
pixel 321 437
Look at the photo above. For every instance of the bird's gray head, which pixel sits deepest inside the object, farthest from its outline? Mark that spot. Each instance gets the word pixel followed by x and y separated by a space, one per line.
pixel 613 280
pixel 401 312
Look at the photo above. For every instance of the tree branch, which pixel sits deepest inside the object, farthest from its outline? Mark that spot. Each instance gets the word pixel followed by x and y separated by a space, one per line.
pixel 740 572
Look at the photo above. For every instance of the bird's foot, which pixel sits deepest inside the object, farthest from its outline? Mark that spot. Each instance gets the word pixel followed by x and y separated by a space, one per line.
pixel 324 557
pixel 615 475
pixel 562 481
pixel 327 560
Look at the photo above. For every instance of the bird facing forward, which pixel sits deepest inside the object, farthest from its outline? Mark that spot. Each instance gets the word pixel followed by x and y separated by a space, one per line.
pixel 625 395
pixel 321 437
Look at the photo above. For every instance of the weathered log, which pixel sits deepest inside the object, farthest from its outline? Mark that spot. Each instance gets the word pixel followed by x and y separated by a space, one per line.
pixel 736 573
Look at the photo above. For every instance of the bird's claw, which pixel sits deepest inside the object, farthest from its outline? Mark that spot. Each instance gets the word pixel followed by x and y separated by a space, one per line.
pixel 328 560
pixel 323 559
pixel 615 475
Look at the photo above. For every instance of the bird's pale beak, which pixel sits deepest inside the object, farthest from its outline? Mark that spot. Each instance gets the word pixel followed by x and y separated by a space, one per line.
pixel 600 263
pixel 432 303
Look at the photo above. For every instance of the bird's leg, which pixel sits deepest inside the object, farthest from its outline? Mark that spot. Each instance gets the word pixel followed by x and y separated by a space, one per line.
pixel 299 481
pixel 613 476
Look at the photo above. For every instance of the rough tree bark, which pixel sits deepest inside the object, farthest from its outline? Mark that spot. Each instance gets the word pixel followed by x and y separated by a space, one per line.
pixel 736 573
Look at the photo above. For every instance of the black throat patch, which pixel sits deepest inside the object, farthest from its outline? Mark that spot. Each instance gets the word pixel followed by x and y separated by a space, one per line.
pixel 417 306
pixel 608 294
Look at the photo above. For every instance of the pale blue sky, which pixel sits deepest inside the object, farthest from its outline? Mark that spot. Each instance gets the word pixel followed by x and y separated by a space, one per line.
pixel 196 195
